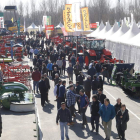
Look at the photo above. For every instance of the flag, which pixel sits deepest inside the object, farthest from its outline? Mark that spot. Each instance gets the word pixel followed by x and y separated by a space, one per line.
pixel 64 18
pixel 12 19
pixel 85 15
pixel 79 26
pixel 76 12
pixel 69 24
pixel 24 26
pixel 63 29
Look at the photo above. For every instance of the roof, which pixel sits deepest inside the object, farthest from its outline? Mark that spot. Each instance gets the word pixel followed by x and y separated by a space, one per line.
pixel 123 29
pixel 32 26
pixel 60 25
pixel 93 34
pixel 102 33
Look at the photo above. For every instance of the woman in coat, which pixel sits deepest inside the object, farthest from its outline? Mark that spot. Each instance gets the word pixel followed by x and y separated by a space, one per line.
pixel 122 119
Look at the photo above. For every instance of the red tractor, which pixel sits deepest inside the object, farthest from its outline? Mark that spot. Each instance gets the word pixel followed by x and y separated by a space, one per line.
pixel 95 50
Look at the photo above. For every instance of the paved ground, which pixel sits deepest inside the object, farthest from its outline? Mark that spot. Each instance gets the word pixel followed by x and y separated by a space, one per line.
pixel 18 126
pixel 51 131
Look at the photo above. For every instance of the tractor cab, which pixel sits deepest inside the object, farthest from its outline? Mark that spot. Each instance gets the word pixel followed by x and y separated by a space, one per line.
pixel 95 50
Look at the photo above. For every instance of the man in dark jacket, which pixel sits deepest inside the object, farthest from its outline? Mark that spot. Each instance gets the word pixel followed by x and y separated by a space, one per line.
pixel 77 69
pixel 54 65
pixel 81 61
pixel 70 72
pixel 94 85
pixel 101 96
pixel 56 79
pixel 43 91
pixel 61 96
pixel 36 76
pixel 92 72
pixel 81 78
pixel 40 60
pixel 95 106
pixel 47 86
pixel 87 86
pixel 64 116
pixel 54 72
pixel 98 68
pixel 117 107
pixel 122 119
pixel 35 60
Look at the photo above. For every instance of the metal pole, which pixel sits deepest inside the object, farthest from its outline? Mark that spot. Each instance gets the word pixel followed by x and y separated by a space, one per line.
pixel 16 19
pixel 76 47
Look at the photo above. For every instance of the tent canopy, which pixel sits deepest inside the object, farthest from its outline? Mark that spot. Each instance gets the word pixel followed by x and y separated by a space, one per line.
pixel 133 31
pixel 135 40
pixel 113 30
pixel 32 26
pixel 60 25
pixel 119 33
pixel 94 33
pixel 102 33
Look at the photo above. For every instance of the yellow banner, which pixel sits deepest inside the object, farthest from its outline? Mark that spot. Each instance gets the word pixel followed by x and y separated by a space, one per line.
pixel 69 25
pixel 79 26
pixel 85 15
pixel 64 18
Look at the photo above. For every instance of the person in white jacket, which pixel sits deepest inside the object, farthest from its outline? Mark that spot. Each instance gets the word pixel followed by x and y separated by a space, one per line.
pixel 59 62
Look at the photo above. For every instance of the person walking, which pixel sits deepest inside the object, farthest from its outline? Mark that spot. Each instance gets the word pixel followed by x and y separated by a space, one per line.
pixel 61 96
pixel 117 108
pixel 63 66
pixel 56 79
pixel 71 99
pixel 31 53
pixel 35 61
pixel 49 67
pixel 100 82
pixel 54 72
pixel 95 106
pixel 107 113
pixel 94 85
pixel 59 63
pixel 73 60
pixel 64 116
pixel 47 86
pixel 70 72
pixel 101 96
pixel 36 76
pixel 91 71
pixel 77 69
pixel 81 78
pixel 87 86
pixel 81 61
pixel 77 89
pixel 98 68
pixel 122 120
pixel 56 90
pixel 84 102
pixel 43 90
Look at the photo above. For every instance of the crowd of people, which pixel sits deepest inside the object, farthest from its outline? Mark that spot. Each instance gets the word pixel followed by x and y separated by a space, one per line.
pixel 49 63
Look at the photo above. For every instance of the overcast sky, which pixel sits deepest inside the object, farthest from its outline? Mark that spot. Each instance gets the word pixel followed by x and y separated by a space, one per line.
pixel 12 2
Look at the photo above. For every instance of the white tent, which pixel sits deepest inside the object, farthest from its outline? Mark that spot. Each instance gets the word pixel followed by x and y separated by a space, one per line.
pixel 111 43
pixel 113 30
pixel 119 33
pixel 134 30
pixel 32 27
pixel 102 33
pixel 94 33
pixel 135 40
pixel 60 25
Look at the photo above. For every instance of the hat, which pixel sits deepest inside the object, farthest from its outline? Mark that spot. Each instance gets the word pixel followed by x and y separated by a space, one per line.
pixel 71 85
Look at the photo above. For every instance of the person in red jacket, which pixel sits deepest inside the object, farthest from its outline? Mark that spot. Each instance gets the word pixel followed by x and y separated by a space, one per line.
pixel 36 76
